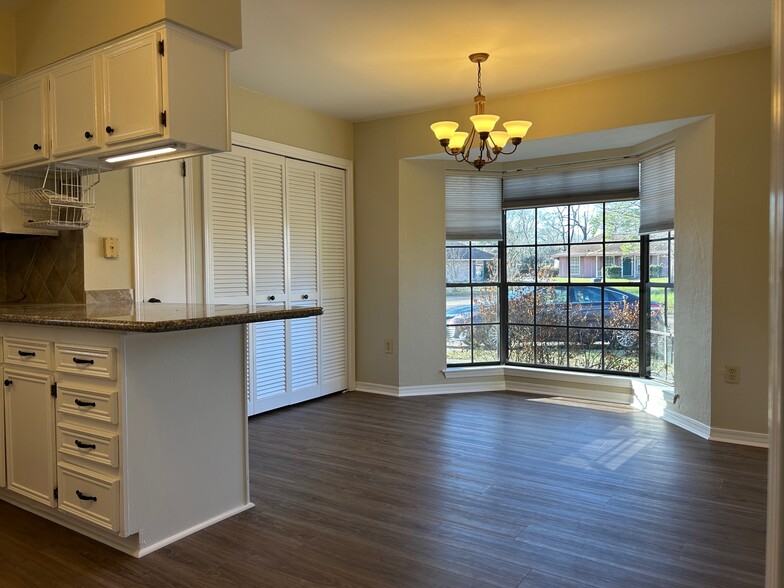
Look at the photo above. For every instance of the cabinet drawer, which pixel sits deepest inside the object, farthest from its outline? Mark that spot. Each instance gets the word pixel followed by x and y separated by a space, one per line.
pixel 90 404
pixel 98 362
pixel 89 444
pixel 90 496
pixel 27 352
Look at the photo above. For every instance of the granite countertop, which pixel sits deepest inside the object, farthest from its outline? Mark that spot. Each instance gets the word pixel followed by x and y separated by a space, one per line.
pixel 147 317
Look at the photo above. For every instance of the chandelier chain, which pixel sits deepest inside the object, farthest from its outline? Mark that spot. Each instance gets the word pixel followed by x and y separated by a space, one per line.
pixel 479 77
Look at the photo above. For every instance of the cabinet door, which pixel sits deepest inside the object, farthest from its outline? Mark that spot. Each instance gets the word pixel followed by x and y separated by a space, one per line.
pixel 30 444
pixel 303 236
pixel 24 122
pixel 133 90
pixel 74 107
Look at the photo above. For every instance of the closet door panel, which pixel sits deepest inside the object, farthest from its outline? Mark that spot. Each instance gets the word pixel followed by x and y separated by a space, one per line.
pixel 303 237
pixel 267 189
pixel 332 259
pixel 268 381
pixel 227 215
pixel 304 355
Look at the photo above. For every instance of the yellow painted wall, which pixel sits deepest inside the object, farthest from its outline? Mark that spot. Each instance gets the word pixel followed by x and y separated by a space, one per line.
pixel 112 218
pixel 50 30
pixel 220 20
pixel 275 120
pixel 393 242
pixel 7 46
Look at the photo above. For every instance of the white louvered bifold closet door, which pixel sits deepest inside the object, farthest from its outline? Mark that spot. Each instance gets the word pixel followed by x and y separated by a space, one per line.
pixel 267 363
pixel 227 215
pixel 301 208
pixel 333 291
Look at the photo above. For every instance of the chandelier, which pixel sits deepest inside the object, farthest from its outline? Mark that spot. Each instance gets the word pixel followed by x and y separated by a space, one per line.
pixel 491 143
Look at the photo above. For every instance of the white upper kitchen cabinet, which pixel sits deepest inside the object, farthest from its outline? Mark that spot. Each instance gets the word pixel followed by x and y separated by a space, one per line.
pixel 73 91
pixel 133 101
pixel 24 121
pixel 161 87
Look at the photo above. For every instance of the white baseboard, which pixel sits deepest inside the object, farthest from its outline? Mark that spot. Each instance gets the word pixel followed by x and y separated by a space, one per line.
pixel 492 386
pixel 376 388
pixel 203 525
pixel 688 423
pixel 566 392
pixel 739 437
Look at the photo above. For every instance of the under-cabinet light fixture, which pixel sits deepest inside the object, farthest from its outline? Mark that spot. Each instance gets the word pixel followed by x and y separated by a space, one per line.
pixel 141 154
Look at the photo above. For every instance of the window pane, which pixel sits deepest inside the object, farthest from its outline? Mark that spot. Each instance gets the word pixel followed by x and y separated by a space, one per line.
pixel 622 351
pixel 521 227
pixel 520 264
pixel 552 264
pixel 586 223
pixel 552 225
pixel 659 261
pixel 585 348
pixel 672 261
pixel 621 308
pixel 457 265
pixel 521 344
pixel 485 306
pixel 458 344
pixel 622 262
pixel 662 334
pixel 521 304
pixel 551 346
pixel 587 261
pixel 486 343
pixel 484 264
pixel 585 306
pixel 622 220
pixel 551 305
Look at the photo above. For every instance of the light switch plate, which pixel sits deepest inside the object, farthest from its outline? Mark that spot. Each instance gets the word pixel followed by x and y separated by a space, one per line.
pixel 111 247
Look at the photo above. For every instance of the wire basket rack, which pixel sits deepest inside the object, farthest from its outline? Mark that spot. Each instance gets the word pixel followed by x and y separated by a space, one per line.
pixel 61 197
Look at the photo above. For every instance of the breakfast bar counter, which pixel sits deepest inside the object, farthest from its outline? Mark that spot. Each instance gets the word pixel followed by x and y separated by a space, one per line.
pixel 127 423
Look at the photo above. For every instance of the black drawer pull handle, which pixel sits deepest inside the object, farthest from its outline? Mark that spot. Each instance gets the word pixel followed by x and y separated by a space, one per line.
pixel 82 445
pixel 26 353
pixel 83 361
pixel 83 403
pixel 7 382
pixel 81 496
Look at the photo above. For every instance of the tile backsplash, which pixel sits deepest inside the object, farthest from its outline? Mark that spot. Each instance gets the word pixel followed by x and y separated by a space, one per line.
pixel 43 270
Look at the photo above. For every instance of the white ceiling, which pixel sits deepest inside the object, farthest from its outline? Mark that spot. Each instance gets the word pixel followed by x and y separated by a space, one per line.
pixel 365 59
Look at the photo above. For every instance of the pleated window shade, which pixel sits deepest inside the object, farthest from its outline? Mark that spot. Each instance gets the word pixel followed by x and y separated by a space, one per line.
pixel 572 184
pixel 657 191
pixel 473 206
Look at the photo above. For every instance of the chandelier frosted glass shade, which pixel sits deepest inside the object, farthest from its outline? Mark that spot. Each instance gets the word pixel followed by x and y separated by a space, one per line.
pixel 490 143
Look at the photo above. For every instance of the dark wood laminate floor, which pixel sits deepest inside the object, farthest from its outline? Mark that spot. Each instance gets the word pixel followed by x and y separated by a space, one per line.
pixel 466 490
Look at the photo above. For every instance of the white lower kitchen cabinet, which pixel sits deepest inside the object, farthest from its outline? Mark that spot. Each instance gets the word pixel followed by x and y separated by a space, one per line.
pixel 134 439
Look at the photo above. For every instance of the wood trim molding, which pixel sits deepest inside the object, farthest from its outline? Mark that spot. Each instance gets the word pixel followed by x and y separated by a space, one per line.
pixel 739 437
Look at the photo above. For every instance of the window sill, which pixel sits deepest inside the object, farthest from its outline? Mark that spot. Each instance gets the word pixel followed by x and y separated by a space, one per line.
pixel 538 373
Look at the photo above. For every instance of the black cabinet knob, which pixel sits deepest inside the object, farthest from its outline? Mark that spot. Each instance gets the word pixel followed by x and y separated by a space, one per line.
pixel 88 135
pixel 109 130
pixel 36 147
pixel 304 297
pixel 270 298
pixel 7 382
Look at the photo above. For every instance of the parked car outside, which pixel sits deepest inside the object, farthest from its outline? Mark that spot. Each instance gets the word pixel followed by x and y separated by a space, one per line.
pixel 618 311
